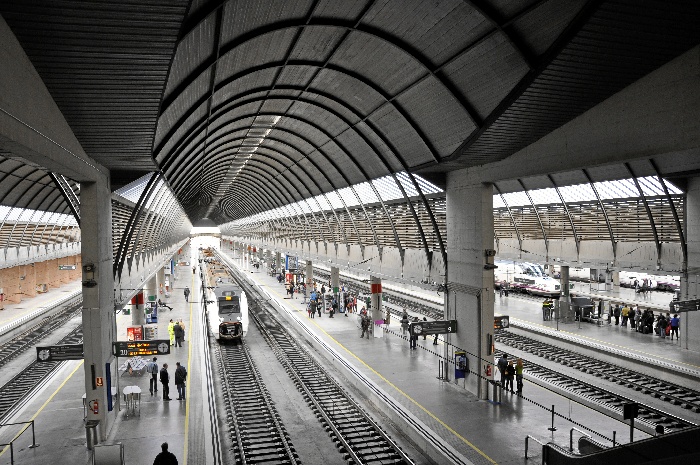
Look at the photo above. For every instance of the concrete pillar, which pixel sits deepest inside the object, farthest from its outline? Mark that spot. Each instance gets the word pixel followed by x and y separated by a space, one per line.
pixel 376 312
pixel 616 279
pixel 608 280
pixel 278 262
pixel 151 293
pixel 690 279
pixel 309 278
pixel 335 282
pixel 470 297
pixel 565 314
pixel 160 281
pixel 138 309
pixel 99 324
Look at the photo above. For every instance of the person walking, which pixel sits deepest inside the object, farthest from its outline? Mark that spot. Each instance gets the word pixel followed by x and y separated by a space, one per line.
pixel 187 294
pixel 171 331
pixel 364 324
pixel 334 306
pixel 152 368
pixel 180 378
pixel 519 376
pixel 510 374
pixel 178 334
pixel 165 457
pixel 165 381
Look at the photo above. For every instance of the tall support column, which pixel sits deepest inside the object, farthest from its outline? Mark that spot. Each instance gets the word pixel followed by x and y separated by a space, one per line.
pixel 278 262
pixel 151 293
pixel 335 282
pixel 564 302
pixel 376 300
pixel 470 296
pixel 160 281
pixel 138 310
pixel 309 276
pixel 99 324
pixel 690 279
pixel 616 279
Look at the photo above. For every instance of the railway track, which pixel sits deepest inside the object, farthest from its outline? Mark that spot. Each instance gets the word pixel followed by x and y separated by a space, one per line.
pixel 649 385
pixel 257 431
pixel 16 391
pixel 357 437
pixel 29 337
pixel 604 399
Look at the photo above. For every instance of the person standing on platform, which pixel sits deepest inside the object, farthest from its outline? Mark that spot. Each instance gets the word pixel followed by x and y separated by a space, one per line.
pixel 187 294
pixel 152 368
pixel 180 378
pixel 616 314
pixel 171 331
pixel 334 307
pixel 675 324
pixel 502 365
pixel 424 334
pixel 519 376
pixel 404 323
pixel 165 381
pixel 637 318
pixel 178 334
pixel 625 312
pixel 364 324
pixel 510 374
pixel 165 457
pixel 630 316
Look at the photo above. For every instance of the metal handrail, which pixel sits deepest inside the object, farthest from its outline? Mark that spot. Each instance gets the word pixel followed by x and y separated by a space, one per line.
pixel 571 437
pixel 11 443
pixel 527 438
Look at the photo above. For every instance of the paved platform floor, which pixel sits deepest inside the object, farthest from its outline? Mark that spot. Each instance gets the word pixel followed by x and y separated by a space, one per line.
pixel 479 431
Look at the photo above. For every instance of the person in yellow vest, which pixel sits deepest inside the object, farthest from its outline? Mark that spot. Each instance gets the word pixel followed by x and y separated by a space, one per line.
pixel 171 331
pixel 625 314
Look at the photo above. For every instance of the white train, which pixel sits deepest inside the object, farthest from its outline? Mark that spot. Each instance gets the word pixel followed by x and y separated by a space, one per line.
pixel 526 277
pixel 627 279
pixel 228 313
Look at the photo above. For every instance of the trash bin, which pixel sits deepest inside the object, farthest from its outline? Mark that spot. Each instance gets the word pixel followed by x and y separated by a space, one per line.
pixel 91 431
pixel 496 392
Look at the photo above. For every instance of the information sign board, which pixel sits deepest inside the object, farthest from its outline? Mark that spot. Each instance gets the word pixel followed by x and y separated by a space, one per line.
pixel 291 262
pixel 433 327
pixel 501 322
pixel 66 267
pixel 59 353
pixel 141 348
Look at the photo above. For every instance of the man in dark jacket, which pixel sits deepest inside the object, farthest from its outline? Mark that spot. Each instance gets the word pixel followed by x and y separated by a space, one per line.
pixel 165 457
pixel 180 377
pixel 179 334
pixel 187 293
pixel 502 366
pixel 165 381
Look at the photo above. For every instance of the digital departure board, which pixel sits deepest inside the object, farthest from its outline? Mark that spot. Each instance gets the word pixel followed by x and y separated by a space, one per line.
pixel 141 348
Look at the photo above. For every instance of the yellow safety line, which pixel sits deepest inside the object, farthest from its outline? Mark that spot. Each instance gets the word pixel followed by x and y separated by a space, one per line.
pixel 43 406
pixel 411 399
pixel 606 343
pixel 187 388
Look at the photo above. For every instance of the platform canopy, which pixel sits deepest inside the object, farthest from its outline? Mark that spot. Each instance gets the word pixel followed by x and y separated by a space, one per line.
pixel 248 106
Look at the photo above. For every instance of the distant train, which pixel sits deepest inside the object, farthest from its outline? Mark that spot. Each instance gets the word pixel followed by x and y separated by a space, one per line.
pixel 628 278
pixel 526 277
pixel 228 314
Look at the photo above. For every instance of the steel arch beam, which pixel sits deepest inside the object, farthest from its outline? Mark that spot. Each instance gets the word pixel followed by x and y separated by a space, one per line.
pixel 568 214
pixel 605 213
pixel 648 210
pixel 537 214
pixel 679 226
pixel 512 220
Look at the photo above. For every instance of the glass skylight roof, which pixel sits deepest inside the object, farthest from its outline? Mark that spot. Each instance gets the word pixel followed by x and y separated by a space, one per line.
pixel 22 215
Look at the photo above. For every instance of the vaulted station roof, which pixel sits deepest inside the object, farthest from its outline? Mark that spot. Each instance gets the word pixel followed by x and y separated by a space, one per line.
pixel 246 106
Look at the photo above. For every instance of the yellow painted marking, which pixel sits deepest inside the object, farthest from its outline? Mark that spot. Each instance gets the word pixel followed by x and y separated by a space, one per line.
pixel 411 399
pixel 43 406
pixel 606 343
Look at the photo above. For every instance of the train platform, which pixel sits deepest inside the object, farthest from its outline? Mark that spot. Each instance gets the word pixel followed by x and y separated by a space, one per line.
pixel 14 314
pixel 615 340
pixel 59 413
pixel 407 381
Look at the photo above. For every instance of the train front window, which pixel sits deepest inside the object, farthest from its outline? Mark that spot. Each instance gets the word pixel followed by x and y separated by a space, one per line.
pixel 230 306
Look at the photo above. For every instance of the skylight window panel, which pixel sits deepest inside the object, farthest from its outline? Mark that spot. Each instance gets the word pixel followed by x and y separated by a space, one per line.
pixel 408 186
pixel 426 186
pixel 516 199
pixel 366 193
pixel 334 200
pixel 349 197
pixel 651 186
pixel 498 202
pixel 305 207
pixel 387 188
pixel 323 202
pixel 546 196
pixel 577 193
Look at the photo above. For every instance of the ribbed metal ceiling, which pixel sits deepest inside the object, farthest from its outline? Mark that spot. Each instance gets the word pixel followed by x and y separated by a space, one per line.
pixel 246 106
